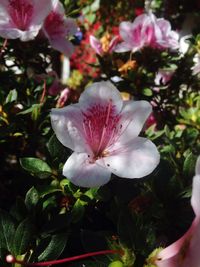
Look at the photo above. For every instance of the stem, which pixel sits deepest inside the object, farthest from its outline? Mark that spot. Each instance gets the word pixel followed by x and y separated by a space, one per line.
pixel 3 47
pixel 44 92
pixel 11 259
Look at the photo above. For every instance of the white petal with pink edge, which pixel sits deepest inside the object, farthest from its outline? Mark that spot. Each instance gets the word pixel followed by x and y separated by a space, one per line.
pixel 41 10
pixel 135 159
pixel 126 31
pixel 101 93
pixel 62 45
pixel 124 47
pixel 133 116
pixel 81 171
pixel 67 125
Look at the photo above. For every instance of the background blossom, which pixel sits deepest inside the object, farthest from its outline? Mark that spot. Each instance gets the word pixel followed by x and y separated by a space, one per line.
pixel 22 18
pixel 58 28
pixel 185 251
pixel 146 30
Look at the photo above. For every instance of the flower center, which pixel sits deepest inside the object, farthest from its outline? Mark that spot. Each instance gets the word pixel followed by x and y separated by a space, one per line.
pixel 105 42
pixel 101 128
pixel 21 12
pixel 54 24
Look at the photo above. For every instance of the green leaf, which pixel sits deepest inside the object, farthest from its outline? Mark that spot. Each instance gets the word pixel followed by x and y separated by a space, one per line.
pixel 77 211
pixel 49 189
pixel 34 110
pixel 91 17
pixel 116 264
pixel 147 92
pixel 56 149
pixel 54 248
pixel 167 131
pixel 32 198
pixel 95 5
pixel 36 166
pixel 7 231
pixel 12 96
pixel 23 236
pixel 29 110
pixel 189 165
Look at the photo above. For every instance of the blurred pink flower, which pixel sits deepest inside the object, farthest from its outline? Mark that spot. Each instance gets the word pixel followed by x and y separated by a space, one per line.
pixel 147 30
pixel 185 251
pixel 102 130
pixel 162 78
pixel 64 96
pixel 58 28
pixel 22 18
pixel 104 45
pixel 56 86
pixel 150 121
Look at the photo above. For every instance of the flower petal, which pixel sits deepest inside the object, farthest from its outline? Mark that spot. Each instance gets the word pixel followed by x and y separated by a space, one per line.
pixel 67 124
pixel 4 16
pixel 9 33
pixel 101 93
pixel 62 45
pixel 192 255
pixel 125 31
pixel 133 116
pixel 170 257
pixel 41 10
pixel 70 26
pixel 80 171
pixel 96 45
pixel 135 159
pixel 113 43
pixel 123 47
pixel 195 199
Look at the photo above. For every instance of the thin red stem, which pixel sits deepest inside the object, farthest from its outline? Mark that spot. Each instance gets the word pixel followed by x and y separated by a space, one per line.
pixel 44 92
pixel 3 46
pixel 83 256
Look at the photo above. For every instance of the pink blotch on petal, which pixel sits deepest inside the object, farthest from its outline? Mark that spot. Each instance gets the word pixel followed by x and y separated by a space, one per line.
pixel 54 24
pixel 21 12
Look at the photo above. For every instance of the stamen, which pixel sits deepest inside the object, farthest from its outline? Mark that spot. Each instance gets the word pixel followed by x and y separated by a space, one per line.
pixel 100 127
pixel 108 112
pixel 12 259
pixel 101 140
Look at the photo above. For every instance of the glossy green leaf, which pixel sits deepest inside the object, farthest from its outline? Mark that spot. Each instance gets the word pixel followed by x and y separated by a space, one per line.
pixel 32 198
pixel 36 166
pixel 77 211
pixel 12 96
pixel 22 238
pixel 7 231
pixel 189 165
pixel 54 248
